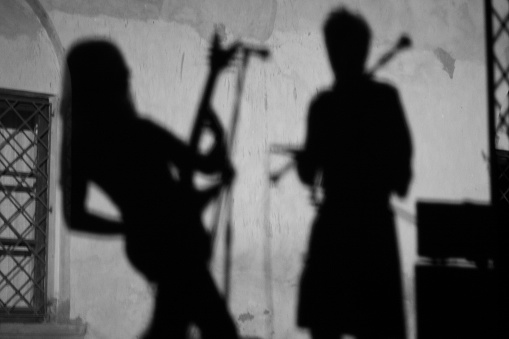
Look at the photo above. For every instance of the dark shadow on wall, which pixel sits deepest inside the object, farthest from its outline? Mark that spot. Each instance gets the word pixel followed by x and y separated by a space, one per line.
pixel 358 151
pixel 129 158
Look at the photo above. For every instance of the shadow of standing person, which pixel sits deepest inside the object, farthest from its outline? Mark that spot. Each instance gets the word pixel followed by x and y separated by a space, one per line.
pixel 129 158
pixel 359 143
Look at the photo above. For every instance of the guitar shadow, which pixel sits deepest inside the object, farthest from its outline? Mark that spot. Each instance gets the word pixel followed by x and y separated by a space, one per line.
pixel 107 144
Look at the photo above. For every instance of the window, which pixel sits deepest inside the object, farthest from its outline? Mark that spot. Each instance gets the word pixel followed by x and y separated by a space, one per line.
pixel 25 127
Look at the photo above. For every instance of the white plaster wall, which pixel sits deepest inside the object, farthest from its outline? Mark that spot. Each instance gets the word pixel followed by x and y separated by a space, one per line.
pixel 165 44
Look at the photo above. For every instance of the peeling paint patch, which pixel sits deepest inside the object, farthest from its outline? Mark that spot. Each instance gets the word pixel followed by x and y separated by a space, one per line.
pixel 245 317
pixel 446 59
pixel 17 19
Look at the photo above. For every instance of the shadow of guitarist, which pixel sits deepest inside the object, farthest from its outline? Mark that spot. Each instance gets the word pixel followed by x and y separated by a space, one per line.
pixel 130 158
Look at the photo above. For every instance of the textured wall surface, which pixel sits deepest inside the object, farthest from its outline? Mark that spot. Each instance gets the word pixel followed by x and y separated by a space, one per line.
pixel 441 82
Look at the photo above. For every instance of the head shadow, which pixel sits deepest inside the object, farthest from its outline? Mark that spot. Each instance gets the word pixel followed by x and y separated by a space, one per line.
pixel 347 39
pixel 97 79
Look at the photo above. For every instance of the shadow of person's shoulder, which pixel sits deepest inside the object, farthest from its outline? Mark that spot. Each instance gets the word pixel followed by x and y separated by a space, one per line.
pixel 383 86
pixel 324 98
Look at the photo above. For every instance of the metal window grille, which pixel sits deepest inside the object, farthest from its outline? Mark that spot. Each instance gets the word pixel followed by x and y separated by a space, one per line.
pixel 25 125
pixel 503 177
pixel 497 36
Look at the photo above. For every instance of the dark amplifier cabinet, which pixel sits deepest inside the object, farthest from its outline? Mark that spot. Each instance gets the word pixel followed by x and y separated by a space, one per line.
pixel 455 302
pixel 449 230
pixel 455 282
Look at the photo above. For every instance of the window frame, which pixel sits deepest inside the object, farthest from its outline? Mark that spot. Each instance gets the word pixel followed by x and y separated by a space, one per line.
pixel 43 194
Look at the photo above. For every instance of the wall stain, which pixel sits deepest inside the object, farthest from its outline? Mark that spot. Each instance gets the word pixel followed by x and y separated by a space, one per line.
pixel 228 89
pixel 446 59
pixel 241 18
pixel 220 29
pixel 182 65
pixel 245 317
pixel 145 10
